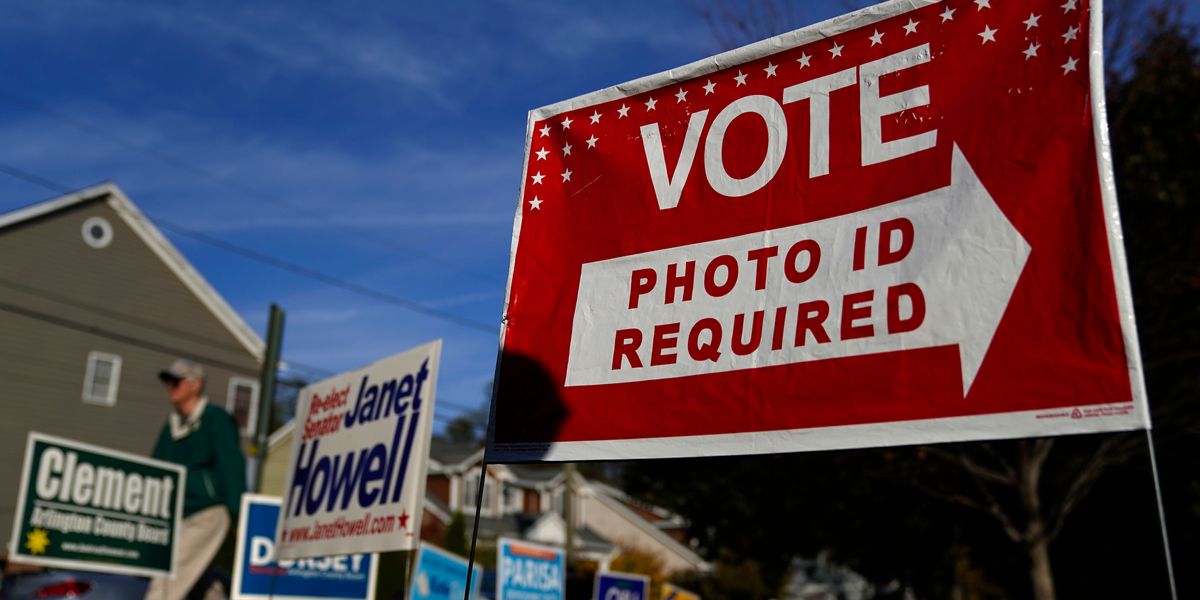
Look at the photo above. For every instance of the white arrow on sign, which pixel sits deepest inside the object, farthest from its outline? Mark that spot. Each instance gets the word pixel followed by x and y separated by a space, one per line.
pixel 965 258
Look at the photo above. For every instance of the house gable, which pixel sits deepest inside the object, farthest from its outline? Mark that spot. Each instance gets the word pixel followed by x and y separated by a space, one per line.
pixel 66 297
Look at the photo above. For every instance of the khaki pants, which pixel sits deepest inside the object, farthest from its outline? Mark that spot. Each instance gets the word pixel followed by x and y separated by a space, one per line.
pixel 199 539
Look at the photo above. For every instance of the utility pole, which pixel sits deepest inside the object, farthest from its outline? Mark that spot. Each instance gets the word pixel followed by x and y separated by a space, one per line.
pixel 266 391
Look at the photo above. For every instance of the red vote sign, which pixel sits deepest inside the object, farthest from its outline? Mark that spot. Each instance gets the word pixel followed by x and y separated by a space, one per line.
pixel 898 226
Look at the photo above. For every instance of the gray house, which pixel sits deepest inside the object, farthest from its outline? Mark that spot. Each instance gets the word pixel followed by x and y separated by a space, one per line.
pixel 94 301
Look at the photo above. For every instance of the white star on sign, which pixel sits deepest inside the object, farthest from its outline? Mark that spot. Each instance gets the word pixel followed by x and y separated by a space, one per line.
pixel 988 34
pixel 537 179
pixel 535 204
pixel 542 154
pixel 566 175
pixel 1068 6
pixel 948 14
pixel 982 4
pixel 877 38
pixel 591 142
pixel 1069 65
pixel 708 87
pixel 804 60
pixel 566 123
pixel 770 70
pixel 595 117
pixel 1032 21
pixel 545 130
pixel 681 95
pixel 741 79
pixel 836 50
pixel 1069 36
pixel 623 112
pixel 910 27
pixel 650 104
pixel 1031 51
pixel 567 150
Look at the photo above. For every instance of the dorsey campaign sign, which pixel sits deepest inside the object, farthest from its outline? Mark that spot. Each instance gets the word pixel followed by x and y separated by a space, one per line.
pixel 356 479
pixel 897 226
pixel 86 507
pixel 257 576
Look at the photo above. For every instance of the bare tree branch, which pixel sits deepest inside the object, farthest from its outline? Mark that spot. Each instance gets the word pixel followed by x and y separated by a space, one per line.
pixel 973 468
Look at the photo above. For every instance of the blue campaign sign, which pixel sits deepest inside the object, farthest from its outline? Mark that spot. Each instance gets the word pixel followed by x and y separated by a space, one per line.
pixel 621 586
pixel 440 575
pixel 529 571
pixel 257 576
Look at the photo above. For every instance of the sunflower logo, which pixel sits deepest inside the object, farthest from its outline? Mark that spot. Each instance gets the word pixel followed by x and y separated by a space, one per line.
pixel 37 541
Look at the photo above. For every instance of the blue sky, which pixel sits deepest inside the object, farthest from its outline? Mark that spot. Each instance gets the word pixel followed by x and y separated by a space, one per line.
pixel 379 142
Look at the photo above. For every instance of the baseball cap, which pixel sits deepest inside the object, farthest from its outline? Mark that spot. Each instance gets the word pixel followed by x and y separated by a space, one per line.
pixel 182 368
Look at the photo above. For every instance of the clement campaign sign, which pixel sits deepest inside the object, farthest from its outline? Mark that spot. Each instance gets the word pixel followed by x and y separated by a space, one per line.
pixel 356 477
pixel 86 507
pixel 897 226
pixel 258 576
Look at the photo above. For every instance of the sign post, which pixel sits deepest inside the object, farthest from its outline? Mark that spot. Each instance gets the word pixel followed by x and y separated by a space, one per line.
pixel 258 576
pixel 898 226
pixel 86 507
pixel 356 481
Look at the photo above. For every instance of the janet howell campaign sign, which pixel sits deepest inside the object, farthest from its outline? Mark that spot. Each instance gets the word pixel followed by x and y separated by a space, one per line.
pixel 356 479
pixel 898 226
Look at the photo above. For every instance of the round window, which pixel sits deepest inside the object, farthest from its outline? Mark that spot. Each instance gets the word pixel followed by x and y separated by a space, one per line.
pixel 97 232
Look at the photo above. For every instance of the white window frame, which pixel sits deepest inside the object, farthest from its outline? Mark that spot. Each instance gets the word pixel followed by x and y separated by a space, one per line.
pixel 512 499
pixel 231 395
pixel 90 372
pixel 470 487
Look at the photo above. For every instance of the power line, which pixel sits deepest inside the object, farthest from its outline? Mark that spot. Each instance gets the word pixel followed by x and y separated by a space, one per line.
pixel 133 320
pixel 197 171
pixel 119 337
pixel 267 259
pixel 158 347
pixel 118 316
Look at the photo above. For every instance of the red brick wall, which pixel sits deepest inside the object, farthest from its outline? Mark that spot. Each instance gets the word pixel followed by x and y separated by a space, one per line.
pixel 439 486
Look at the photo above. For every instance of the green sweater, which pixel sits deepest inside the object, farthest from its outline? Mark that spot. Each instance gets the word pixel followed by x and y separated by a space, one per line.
pixel 216 470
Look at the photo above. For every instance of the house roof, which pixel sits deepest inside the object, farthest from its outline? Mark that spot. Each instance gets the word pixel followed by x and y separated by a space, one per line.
pixel 154 239
pixel 614 502
pixel 448 452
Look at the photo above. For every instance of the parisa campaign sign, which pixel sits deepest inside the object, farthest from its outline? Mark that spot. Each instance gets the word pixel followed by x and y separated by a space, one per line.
pixel 894 227
pixel 258 576
pixel 440 575
pixel 85 507
pixel 526 571
pixel 356 480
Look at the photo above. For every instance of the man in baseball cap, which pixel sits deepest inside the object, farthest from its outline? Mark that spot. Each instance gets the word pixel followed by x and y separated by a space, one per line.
pixel 203 438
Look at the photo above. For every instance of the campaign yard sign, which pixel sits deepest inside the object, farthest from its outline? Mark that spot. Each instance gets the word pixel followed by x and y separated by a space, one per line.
pixel 526 571
pixel 258 576
pixel 621 586
pixel 86 507
pixel 673 592
pixel 897 226
pixel 440 575
pixel 356 480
